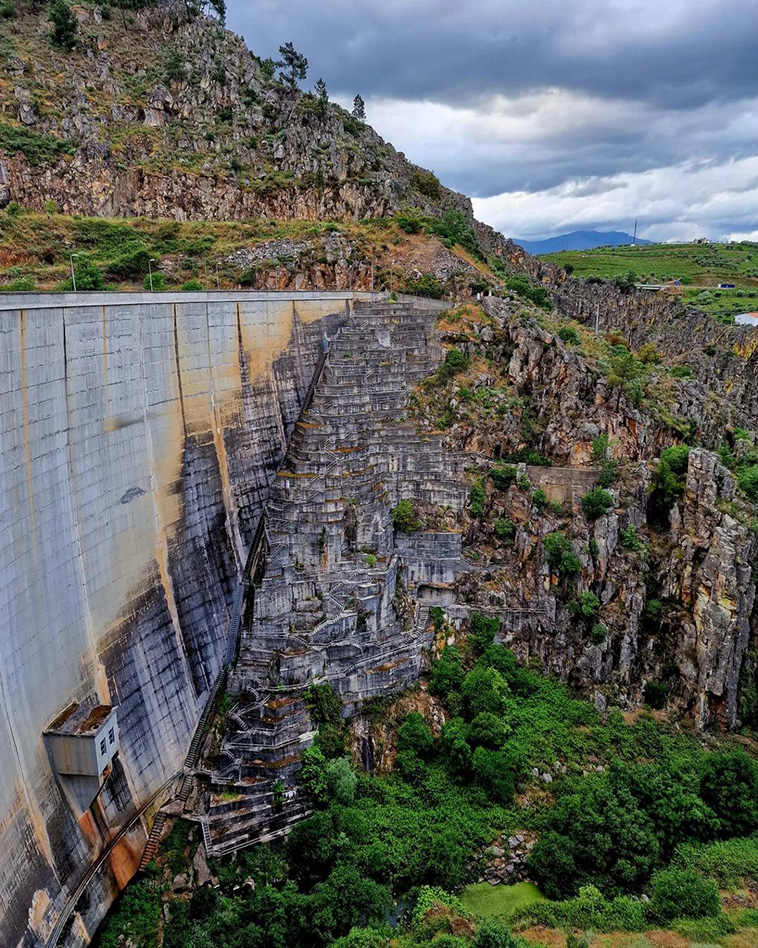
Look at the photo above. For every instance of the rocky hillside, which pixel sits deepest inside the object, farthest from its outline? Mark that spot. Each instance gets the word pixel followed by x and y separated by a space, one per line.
pixel 162 114
pixel 617 550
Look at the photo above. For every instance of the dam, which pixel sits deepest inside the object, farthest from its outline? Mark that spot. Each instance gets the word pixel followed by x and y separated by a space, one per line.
pixel 139 439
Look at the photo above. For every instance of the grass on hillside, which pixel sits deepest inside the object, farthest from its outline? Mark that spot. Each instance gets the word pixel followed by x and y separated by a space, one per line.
pixel 700 268
pixel 35 247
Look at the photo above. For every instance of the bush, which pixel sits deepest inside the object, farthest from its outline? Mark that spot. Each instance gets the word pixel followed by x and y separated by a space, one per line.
pixel 503 476
pixel 483 689
pixel 570 335
pixel 426 285
pixel 585 606
pixel 65 25
pixel 682 893
pixel 38 149
pixel 747 479
pixel 447 672
pixel 324 704
pixel 483 631
pixel 656 693
pixel 157 283
pixel 539 499
pixel 729 786
pixel 596 502
pixel 681 372
pixel 414 735
pixel 596 835
pixel 192 286
pixel 599 633
pixel 493 934
pixel 427 183
pixel 131 264
pixel 88 277
pixel 630 540
pixel 477 498
pixel 668 482
pixel 455 362
pixel 505 530
pixel 404 517
pixel 556 545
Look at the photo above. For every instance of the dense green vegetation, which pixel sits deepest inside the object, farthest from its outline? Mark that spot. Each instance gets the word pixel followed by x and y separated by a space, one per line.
pixel 631 808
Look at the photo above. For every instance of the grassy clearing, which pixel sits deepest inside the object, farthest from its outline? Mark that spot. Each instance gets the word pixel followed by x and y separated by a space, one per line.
pixel 484 900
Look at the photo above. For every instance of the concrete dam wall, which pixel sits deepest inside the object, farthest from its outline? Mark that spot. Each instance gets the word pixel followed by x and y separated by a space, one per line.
pixel 139 435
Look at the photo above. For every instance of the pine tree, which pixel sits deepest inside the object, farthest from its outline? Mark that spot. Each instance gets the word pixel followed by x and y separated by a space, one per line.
pixel 65 24
pixel 323 96
pixel 294 64
pixel 359 109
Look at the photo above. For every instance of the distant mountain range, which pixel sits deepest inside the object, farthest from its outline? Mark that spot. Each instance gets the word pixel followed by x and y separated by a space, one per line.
pixel 578 240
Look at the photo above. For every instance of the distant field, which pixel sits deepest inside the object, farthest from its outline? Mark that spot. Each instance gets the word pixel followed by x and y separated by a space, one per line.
pixel 700 268
pixel 485 900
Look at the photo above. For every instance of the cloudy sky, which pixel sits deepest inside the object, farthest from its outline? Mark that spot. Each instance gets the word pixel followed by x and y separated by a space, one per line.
pixel 552 115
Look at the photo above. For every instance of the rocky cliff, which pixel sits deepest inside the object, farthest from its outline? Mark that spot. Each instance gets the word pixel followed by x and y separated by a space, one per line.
pixel 164 115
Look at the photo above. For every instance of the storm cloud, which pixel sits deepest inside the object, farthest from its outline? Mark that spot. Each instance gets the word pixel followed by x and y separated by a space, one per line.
pixel 552 115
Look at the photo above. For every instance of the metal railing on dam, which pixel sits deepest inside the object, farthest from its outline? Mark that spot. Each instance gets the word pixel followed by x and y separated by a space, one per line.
pixel 139 433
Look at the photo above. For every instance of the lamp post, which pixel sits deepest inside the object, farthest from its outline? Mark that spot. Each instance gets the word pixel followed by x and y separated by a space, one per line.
pixel 73 272
pixel 150 263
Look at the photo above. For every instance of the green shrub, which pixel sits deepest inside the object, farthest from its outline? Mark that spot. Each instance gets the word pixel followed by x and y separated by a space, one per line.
pixel 729 862
pixel 455 362
pixel 323 703
pixel 600 447
pixel 155 283
pixel 556 544
pixel 65 25
pixel 570 564
pixel 131 264
pixel 477 498
pixel 426 183
pixel 425 285
pixel 630 540
pixel 652 615
pixel 668 483
pixel 88 277
pixel 38 149
pixel 656 693
pixel 503 476
pixel 492 933
pixel 747 480
pixel 455 228
pixel 192 286
pixel 539 499
pixel 599 633
pixel 681 372
pixel 505 530
pixel 729 786
pixel 682 893
pixel 404 517
pixel 585 606
pixel 596 502
pixel 570 335
pixel 7 10
pixel 483 631
pixel 447 672
pixel 414 735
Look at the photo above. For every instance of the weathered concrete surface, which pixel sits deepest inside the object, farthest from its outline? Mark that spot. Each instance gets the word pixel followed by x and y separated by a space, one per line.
pixel 138 437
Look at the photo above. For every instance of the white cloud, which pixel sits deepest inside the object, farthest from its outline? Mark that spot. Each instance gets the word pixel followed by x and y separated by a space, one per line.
pixel 677 202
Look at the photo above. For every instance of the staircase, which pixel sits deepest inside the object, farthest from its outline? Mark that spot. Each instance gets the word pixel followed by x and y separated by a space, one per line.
pixel 325 608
